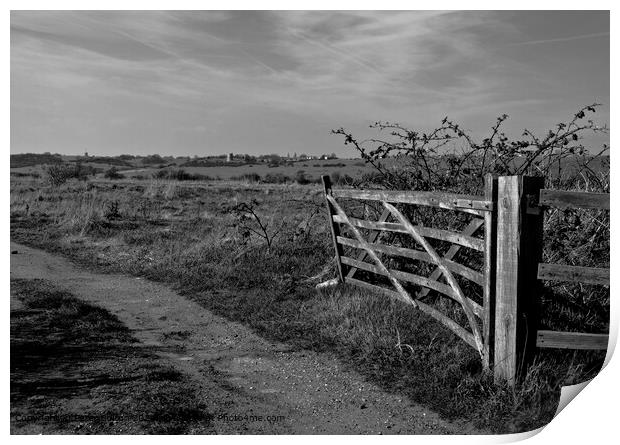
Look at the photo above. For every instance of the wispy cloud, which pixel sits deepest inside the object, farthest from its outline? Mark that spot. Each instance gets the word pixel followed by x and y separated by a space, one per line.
pixel 563 39
pixel 244 78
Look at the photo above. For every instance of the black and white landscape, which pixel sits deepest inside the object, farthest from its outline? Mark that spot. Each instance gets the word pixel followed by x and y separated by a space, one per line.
pixel 306 222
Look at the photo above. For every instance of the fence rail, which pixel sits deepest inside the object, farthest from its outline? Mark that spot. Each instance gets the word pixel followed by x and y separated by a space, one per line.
pixel 575 274
pixel 571 340
pixel 429 232
pixel 449 201
pixel 501 326
pixel 464 271
pixel 560 199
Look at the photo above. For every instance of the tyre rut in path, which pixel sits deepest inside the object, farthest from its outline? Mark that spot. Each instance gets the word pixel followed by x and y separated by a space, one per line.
pixel 238 372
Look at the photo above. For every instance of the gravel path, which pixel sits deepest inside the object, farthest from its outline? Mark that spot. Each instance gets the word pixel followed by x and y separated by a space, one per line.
pixel 253 386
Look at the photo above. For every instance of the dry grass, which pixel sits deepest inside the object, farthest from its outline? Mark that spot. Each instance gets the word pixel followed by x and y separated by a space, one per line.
pixel 186 235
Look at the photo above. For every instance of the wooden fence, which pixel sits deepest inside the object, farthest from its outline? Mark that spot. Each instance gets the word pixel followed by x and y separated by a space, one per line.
pixel 502 324
pixel 560 272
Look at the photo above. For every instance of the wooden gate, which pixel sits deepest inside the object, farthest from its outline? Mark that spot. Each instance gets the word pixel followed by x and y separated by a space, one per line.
pixel 443 280
pixel 502 325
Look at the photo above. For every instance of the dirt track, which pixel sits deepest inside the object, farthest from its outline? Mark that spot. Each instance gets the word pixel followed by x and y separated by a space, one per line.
pixel 240 374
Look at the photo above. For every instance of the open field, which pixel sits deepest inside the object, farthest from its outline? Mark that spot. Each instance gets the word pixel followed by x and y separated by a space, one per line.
pixel 202 240
pixel 282 171
pixel 312 168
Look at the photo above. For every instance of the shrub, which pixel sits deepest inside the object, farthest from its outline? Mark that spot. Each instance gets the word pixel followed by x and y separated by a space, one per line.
pixel 110 160
pixel 152 159
pixel 58 174
pixel 249 177
pixel 179 175
pixel 112 173
pixel 338 178
pixel 276 178
pixel 30 159
pixel 25 174
pixel 300 177
pixel 450 158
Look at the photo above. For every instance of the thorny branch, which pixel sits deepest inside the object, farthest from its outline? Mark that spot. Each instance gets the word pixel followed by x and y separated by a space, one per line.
pixel 432 160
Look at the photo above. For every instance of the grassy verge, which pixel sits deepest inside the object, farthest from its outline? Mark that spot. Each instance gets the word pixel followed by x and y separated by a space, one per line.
pixel 190 239
pixel 76 369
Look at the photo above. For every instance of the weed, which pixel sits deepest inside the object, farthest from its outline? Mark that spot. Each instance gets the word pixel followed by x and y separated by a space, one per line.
pixel 111 212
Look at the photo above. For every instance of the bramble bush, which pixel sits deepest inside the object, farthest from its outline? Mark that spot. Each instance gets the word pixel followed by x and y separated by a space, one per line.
pixel 450 157
pixel 58 174
pixel 112 173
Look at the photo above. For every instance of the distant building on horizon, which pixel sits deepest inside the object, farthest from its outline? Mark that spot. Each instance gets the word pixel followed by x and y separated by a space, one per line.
pixel 229 157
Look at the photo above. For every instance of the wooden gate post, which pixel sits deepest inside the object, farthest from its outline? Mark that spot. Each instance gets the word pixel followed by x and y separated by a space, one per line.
pixel 490 251
pixel 335 229
pixel 519 250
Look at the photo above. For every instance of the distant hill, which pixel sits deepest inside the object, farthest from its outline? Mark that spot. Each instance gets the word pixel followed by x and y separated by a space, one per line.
pixel 105 160
pixel 31 159
pixel 211 163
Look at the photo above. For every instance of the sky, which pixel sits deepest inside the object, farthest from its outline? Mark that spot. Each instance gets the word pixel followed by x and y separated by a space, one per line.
pixel 213 82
